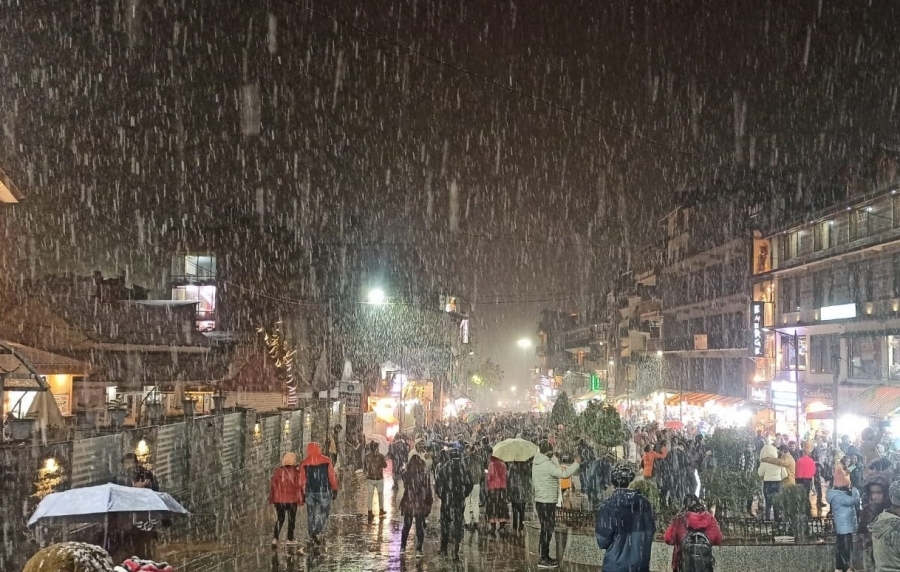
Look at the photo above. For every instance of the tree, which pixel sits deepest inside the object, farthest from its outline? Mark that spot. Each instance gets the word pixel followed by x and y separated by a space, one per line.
pixel 486 374
pixel 603 425
pixel 563 413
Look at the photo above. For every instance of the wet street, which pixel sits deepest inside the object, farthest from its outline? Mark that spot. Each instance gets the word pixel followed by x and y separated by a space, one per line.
pixel 351 544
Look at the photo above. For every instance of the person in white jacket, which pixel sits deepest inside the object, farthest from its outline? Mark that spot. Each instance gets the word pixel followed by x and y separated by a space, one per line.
pixel 772 476
pixel 545 476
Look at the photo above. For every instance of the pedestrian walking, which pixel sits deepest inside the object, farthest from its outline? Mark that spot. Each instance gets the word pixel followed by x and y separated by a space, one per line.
pixel 476 464
pixel 375 465
pixel 783 459
pixel 284 494
pixel 885 531
pixel 844 503
pixel 519 492
pixel 625 526
pixel 318 487
pixel 453 485
pixel 416 502
pixel 875 500
pixel 649 459
pixel 497 505
pixel 398 453
pixel 693 533
pixel 545 476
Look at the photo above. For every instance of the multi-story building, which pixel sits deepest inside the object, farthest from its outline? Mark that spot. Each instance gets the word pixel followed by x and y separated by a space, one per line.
pixel 705 285
pixel 829 289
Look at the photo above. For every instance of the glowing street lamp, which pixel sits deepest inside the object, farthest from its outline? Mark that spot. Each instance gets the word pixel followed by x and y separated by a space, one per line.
pixel 513 389
pixel 524 343
pixel 377 297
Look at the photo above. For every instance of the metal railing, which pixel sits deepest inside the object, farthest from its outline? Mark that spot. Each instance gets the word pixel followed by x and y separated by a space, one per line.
pixel 746 529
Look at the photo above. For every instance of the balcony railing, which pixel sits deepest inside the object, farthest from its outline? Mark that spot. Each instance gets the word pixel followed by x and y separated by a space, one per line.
pixel 722 340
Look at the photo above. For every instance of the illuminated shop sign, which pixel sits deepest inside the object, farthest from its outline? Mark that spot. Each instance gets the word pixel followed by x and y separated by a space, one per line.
pixel 839 312
pixel 757 343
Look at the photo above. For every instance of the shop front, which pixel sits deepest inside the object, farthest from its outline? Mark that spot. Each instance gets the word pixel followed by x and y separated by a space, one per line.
pixel 705 411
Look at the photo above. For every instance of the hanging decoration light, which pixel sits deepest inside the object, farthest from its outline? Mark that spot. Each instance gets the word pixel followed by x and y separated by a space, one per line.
pixel 283 357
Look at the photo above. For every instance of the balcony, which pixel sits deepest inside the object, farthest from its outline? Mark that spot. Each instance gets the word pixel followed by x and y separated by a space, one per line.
pixel 715 341
pixel 582 338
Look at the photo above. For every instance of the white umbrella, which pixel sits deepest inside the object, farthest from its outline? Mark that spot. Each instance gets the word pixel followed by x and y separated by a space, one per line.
pixel 510 450
pixel 95 504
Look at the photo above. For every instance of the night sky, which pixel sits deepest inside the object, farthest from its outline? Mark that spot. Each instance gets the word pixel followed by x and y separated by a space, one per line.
pixel 566 127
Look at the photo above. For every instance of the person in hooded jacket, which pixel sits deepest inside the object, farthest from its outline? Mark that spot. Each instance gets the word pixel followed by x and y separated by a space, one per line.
pixel 545 476
pixel 497 507
pixel 453 485
pixel 694 516
pixel 416 502
pixel 476 463
pixel 885 530
pixel 318 487
pixel 875 500
pixel 772 476
pixel 625 526
pixel 519 492
pixel 844 503
pixel 284 493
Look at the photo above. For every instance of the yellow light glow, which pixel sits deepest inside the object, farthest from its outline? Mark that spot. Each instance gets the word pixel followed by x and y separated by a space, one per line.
pixel 142 449
pixel 816 406
pixel 50 465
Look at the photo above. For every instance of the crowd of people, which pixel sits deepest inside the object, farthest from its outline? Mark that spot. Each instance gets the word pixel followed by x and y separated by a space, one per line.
pixel 454 462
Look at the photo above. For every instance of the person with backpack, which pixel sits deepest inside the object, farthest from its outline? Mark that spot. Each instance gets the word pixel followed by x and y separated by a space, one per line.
pixel 693 533
pixel 625 526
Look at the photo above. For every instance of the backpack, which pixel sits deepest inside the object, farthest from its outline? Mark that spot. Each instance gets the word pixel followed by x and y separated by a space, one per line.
pixel 696 552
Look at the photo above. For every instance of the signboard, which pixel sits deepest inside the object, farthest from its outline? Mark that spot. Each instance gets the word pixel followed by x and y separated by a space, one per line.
pixel 757 334
pixel 700 342
pixel 368 423
pixel 839 312
pixel 784 393
pixel 464 330
pixel 759 394
pixel 351 387
pixel 595 382
pixel 62 401
pixel 813 393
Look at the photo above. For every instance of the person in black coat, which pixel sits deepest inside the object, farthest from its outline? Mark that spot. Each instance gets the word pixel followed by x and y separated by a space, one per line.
pixel 519 490
pixel 453 485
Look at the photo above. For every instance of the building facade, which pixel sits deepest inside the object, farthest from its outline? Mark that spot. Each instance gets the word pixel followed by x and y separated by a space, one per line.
pixel 831 289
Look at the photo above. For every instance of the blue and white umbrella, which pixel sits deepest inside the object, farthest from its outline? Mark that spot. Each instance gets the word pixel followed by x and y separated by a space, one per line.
pixel 95 504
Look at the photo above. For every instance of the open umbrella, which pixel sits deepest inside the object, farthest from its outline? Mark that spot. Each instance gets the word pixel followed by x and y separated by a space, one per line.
pixel 95 504
pixel 512 450
pixel 674 425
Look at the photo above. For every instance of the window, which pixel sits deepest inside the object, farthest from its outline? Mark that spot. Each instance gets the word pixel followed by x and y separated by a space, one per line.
pixel 206 307
pixel 895 274
pixel 789 292
pixel 894 357
pixel 859 224
pixel 895 207
pixel 818 289
pixel 194 267
pixel 868 288
pixel 791 358
pixel 865 357
pixel 853 275
pixel 822 350
pixel 823 235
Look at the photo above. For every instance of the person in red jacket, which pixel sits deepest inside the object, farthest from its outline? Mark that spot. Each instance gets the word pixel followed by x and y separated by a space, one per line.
pixel 318 487
pixel 694 517
pixel 497 507
pixel 284 493
pixel 805 471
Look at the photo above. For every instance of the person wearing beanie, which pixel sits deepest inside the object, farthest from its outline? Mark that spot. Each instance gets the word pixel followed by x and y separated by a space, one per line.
pixel 885 530
pixel 284 493
pixel 875 500
pixel 625 526
pixel 545 476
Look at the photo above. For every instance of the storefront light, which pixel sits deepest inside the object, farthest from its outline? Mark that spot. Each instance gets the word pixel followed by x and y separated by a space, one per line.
pixel 851 425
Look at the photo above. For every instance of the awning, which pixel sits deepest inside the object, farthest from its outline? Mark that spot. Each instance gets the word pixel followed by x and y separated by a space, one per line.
pixel 878 402
pixel 702 398
pixel 590 395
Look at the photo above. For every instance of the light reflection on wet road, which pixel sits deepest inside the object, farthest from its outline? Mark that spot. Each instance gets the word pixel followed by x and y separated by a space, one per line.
pixel 351 544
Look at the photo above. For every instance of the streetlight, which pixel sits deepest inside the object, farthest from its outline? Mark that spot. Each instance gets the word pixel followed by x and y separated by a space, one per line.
pixel 513 389
pixel 524 343
pixel 377 297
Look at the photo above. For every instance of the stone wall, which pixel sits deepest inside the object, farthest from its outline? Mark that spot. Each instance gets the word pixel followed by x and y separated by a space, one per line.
pixel 218 466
